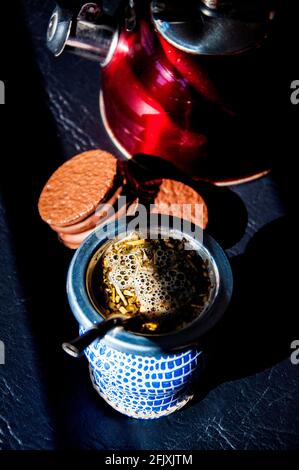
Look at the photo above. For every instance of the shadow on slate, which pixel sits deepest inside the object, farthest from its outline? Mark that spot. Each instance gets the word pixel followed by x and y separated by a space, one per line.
pixel 258 328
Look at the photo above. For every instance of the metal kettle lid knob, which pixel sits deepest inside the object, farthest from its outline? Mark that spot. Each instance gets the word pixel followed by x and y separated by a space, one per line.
pixel 211 3
pixel 213 27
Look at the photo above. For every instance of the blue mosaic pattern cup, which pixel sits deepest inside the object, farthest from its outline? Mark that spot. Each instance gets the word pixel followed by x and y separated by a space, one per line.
pixel 143 386
pixel 144 376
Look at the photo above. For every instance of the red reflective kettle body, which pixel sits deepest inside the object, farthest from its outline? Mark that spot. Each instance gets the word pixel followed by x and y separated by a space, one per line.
pixel 185 82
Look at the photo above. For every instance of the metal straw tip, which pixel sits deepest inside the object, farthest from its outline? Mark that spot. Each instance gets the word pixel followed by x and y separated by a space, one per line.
pixel 71 350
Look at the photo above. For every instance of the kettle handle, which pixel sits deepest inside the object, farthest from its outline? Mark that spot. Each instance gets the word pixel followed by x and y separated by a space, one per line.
pixel 72 4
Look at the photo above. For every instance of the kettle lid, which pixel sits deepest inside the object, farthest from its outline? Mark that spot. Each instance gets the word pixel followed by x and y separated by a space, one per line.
pixel 213 27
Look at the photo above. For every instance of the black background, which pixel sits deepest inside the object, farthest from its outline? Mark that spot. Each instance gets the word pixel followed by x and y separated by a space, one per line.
pixel 249 398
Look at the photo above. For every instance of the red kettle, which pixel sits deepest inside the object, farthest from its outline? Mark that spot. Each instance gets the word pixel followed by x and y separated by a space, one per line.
pixel 185 81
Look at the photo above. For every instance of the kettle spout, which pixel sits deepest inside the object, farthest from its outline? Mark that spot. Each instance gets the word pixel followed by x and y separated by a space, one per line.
pixel 89 33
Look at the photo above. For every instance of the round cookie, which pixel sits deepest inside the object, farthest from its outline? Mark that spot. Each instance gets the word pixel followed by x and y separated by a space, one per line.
pixel 92 220
pixel 74 239
pixel 76 188
pixel 172 195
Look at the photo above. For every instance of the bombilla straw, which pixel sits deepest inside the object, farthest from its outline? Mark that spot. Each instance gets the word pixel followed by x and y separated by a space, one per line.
pixel 75 348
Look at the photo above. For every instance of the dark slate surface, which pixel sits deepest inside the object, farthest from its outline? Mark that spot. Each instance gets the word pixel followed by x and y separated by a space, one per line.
pixel 249 398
